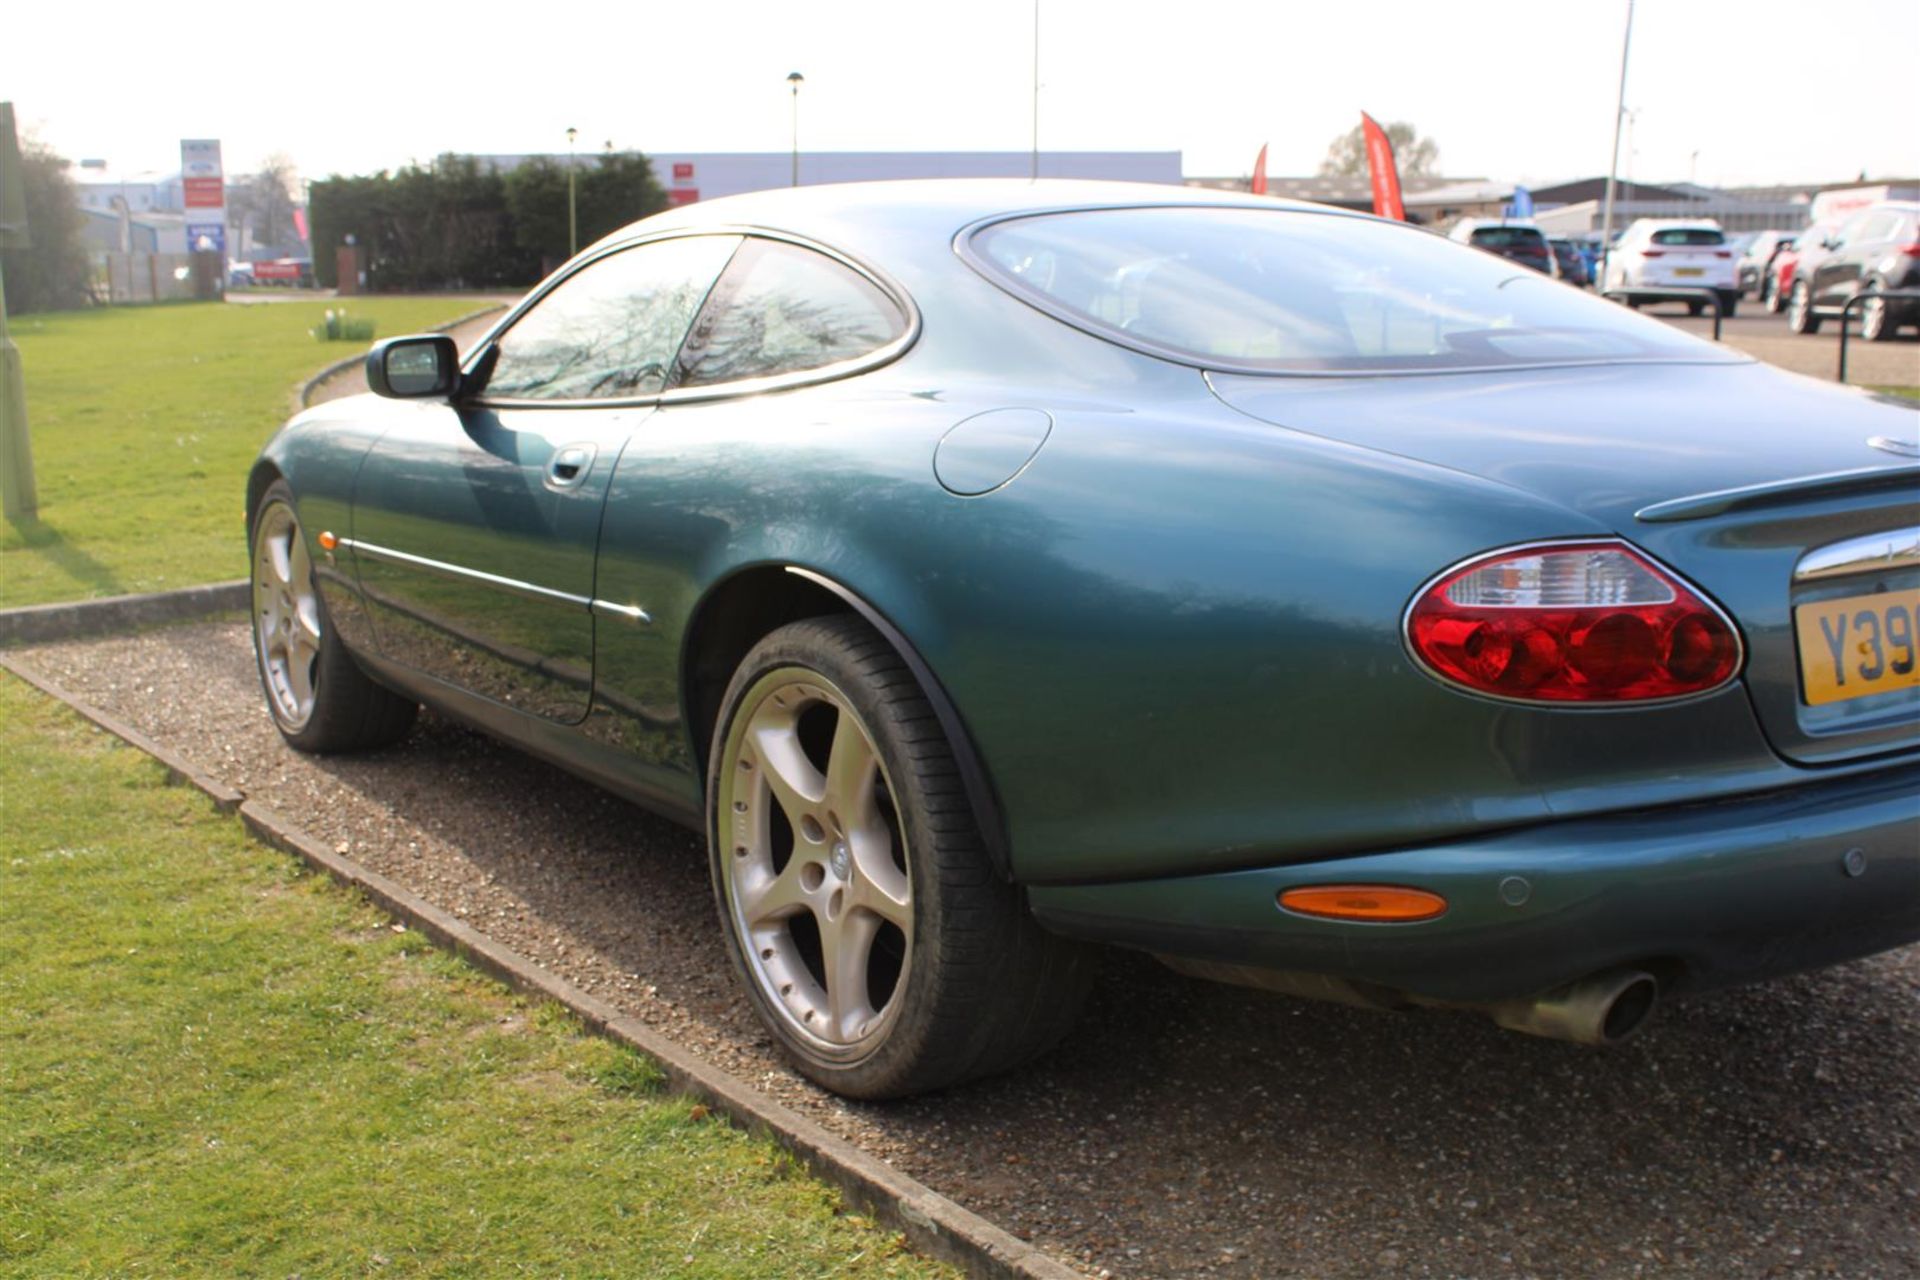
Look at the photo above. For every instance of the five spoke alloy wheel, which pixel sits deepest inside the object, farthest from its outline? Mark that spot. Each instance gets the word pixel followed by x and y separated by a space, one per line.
pixel 319 698
pixel 816 875
pixel 286 615
pixel 880 946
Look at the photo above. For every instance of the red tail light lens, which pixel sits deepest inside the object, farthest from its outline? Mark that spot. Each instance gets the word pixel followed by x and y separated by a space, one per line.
pixel 1573 622
pixel 1651 253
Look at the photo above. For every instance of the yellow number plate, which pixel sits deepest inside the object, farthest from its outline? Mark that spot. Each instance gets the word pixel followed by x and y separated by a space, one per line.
pixel 1689 271
pixel 1858 646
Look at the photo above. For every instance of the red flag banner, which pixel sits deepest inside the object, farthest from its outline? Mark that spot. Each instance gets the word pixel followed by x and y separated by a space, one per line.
pixel 1260 172
pixel 1383 171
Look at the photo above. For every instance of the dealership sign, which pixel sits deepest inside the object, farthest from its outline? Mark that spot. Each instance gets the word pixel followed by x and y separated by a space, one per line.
pixel 204 184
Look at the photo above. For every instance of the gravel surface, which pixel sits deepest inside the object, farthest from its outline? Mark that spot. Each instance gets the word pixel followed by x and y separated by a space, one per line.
pixel 1184 1129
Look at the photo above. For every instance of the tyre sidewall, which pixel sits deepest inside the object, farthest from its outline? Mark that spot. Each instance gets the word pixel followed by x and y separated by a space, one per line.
pixel 884 1070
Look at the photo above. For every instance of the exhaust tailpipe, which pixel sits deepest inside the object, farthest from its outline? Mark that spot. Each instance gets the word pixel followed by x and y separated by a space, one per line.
pixel 1603 1009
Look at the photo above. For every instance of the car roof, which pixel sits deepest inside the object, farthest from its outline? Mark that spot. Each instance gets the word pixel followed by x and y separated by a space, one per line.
pixel 943 204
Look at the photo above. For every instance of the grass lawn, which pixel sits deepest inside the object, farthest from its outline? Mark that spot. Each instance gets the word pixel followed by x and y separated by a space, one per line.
pixel 214 1064
pixel 144 422
pixel 1911 393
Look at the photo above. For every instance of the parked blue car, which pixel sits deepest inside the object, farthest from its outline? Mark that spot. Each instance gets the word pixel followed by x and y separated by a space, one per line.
pixel 993 569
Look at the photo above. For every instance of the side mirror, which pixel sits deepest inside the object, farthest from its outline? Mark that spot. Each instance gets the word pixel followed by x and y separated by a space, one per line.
pixel 414 368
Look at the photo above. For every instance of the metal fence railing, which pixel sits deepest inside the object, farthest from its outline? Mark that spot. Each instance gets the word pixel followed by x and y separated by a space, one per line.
pixel 1673 293
pixel 121 278
pixel 1860 301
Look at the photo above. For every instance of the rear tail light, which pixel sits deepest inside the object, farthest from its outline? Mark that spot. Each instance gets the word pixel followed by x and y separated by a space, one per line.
pixel 1593 622
pixel 1722 253
pixel 1909 250
pixel 1651 253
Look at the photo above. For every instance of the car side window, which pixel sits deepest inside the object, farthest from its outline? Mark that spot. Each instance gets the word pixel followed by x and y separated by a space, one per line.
pixel 610 330
pixel 781 308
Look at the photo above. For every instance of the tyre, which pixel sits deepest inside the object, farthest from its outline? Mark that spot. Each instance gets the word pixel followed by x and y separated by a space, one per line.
pixel 1771 299
pixel 1874 317
pixel 876 941
pixel 1800 317
pixel 319 698
pixel 1729 303
pixel 1696 308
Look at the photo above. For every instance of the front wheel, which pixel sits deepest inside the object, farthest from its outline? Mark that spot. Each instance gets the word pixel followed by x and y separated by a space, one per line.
pixel 1770 298
pixel 876 941
pixel 1873 319
pixel 320 700
pixel 1800 316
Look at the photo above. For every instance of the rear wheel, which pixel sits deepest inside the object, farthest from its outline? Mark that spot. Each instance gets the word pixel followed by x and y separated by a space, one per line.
pixel 1729 303
pixel 320 700
pixel 1800 316
pixel 1696 308
pixel 1771 297
pixel 876 941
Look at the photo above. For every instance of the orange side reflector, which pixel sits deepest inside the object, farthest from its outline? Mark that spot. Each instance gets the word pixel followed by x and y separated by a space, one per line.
pixel 328 542
pixel 1380 903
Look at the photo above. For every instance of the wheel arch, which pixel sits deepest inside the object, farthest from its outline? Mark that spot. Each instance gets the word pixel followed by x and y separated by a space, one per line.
pixel 740 610
pixel 259 480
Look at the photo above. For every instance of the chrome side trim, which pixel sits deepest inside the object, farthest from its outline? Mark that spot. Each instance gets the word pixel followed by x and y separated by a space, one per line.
pixel 1895 549
pixel 459 574
pixel 626 612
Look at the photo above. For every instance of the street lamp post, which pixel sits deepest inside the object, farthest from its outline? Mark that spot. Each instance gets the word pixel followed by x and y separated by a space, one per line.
pixel 1613 169
pixel 795 79
pixel 573 220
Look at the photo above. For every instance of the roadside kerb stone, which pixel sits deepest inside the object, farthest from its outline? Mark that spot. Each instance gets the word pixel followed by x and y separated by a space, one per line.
pixel 935 1225
pixel 72 620
pixel 178 768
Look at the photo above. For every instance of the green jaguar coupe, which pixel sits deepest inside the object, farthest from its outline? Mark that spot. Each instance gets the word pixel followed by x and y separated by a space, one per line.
pixel 994 570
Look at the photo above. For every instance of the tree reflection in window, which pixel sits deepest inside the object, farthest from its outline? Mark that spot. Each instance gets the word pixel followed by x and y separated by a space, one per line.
pixel 784 309
pixel 610 329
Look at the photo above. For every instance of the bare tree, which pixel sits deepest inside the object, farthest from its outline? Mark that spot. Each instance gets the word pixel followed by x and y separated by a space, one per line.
pixel 265 200
pixel 1417 157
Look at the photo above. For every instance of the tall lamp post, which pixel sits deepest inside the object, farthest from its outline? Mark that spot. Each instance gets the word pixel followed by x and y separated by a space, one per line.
pixel 795 79
pixel 573 220
pixel 1613 169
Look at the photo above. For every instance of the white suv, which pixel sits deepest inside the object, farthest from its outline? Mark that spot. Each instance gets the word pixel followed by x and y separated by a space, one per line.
pixel 1673 253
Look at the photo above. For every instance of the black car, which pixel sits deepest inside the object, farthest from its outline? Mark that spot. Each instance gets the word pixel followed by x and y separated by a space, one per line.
pixel 1878 250
pixel 1572 266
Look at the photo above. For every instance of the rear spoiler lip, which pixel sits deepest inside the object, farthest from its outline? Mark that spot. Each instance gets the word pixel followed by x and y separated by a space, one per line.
pixel 1779 493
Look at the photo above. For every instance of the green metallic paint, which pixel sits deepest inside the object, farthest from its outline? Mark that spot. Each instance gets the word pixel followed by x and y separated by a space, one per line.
pixel 1175 637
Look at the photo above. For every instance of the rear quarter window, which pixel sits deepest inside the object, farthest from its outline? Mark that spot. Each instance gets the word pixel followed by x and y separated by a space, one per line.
pixel 781 309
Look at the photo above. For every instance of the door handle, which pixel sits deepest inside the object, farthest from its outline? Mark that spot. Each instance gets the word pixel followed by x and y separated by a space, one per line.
pixel 569 465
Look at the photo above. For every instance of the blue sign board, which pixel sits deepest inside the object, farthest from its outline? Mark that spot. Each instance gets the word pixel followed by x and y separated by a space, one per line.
pixel 207 235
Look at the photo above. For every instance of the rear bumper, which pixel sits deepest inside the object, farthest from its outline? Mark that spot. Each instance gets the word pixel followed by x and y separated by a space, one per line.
pixel 1709 894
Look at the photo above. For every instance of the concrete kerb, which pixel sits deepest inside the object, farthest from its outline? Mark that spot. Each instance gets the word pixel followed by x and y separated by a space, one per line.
pixel 47 623
pixel 304 397
pixel 935 1225
pixel 179 768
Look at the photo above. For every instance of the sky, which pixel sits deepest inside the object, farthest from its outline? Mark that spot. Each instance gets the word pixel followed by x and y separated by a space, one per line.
pixel 1720 91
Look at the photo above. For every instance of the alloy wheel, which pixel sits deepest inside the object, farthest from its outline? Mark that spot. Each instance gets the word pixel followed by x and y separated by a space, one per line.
pixel 815 866
pixel 286 614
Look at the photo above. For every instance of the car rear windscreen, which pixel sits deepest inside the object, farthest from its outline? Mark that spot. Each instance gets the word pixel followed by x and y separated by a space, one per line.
pixel 1689 235
pixel 1292 291
pixel 1509 238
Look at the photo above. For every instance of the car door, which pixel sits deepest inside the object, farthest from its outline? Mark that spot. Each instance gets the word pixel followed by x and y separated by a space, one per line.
pixel 476 523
